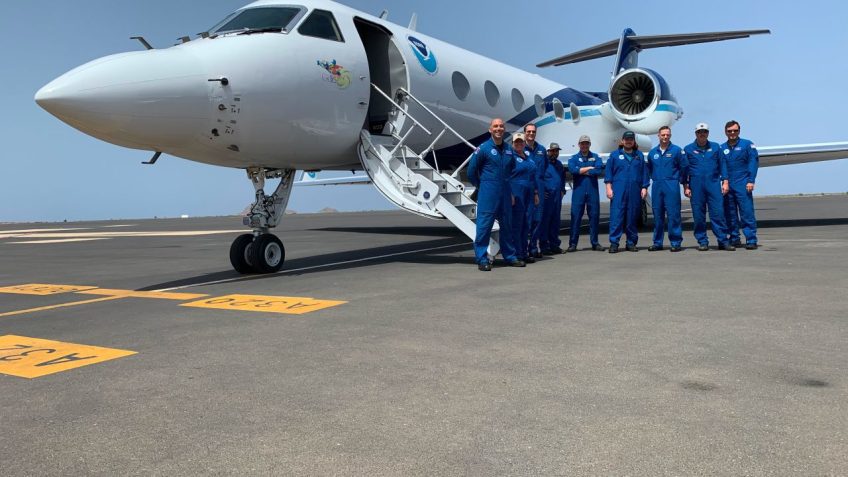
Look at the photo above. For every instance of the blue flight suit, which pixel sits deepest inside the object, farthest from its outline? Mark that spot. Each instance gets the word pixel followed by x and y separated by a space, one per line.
pixel 705 176
pixel 489 170
pixel 741 163
pixel 540 156
pixel 584 195
pixel 524 184
pixel 628 175
pixel 553 181
pixel 668 171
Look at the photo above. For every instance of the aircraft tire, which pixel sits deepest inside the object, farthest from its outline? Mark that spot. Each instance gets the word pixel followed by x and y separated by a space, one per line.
pixel 267 254
pixel 240 253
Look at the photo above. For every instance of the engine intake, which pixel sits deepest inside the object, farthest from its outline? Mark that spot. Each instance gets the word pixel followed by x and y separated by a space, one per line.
pixel 634 92
pixel 641 101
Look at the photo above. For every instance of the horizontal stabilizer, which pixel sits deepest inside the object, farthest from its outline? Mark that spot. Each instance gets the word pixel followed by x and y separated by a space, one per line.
pixel 639 43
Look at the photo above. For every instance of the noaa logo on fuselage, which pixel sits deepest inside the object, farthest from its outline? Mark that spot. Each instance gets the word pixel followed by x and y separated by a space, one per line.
pixel 425 57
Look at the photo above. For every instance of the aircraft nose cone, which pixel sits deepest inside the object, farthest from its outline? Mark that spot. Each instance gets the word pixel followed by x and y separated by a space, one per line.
pixel 144 100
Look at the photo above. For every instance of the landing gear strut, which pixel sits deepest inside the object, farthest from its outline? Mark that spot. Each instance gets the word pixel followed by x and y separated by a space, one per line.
pixel 260 251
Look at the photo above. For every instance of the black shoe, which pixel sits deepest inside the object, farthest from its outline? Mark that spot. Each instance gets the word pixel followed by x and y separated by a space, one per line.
pixel 737 244
pixel 631 248
pixel 484 267
pixel 529 260
pixel 537 254
pixel 517 263
pixel 704 247
pixel 613 248
pixel 652 248
pixel 556 251
pixel 597 248
pixel 728 247
pixel 571 249
pixel 547 252
pixel 676 248
pixel 750 246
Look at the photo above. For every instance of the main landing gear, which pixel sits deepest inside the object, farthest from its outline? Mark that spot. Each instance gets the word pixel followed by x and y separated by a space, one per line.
pixel 260 251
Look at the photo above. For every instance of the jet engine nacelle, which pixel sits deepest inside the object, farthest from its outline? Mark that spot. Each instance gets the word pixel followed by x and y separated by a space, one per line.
pixel 641 101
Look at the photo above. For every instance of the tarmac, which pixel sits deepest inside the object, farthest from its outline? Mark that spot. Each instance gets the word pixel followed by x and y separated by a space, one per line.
pixel 132 348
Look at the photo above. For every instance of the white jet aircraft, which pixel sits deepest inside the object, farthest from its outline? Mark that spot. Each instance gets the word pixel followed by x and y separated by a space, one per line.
pixel 314 85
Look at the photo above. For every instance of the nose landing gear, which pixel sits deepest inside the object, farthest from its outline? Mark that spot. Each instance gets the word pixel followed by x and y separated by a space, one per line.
pixel 263 252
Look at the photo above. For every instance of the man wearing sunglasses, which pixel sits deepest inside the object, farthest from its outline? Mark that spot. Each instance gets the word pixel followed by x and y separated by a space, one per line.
pixel 741 162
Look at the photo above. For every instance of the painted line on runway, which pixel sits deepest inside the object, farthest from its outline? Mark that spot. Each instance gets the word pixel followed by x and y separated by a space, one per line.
pixel 26 357
pixel 60 305
pixel 143 294
pixel 43 289
pixel 290 305
pixel 60 240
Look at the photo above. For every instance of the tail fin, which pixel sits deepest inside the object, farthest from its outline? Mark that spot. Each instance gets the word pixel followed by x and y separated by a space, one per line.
pixel 627 48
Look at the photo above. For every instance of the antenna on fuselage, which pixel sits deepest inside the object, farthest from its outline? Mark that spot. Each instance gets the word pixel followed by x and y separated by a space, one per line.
pixel 384 14
pixel 413 22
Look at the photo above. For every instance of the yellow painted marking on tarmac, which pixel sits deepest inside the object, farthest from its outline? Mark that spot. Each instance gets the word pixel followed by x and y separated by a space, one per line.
pixel 32 357
pixel 60 305
pixel 43 289
pixel 144 294
pixel 291 305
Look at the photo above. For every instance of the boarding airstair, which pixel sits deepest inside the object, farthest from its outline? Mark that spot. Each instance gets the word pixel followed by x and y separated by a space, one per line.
pixel 407 180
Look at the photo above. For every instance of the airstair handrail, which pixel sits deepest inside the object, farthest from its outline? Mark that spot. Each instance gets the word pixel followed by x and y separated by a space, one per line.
pixel 401 110
pixel 438 118
pixel 459 169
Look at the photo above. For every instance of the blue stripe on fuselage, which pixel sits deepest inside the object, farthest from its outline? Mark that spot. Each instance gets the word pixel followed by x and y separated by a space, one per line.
pixel 452 156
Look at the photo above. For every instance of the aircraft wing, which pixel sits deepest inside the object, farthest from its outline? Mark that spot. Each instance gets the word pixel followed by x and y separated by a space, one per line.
pixel 801 153
pixel 311 179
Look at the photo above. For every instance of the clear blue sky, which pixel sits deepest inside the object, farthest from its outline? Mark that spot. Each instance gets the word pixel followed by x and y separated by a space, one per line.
pixel 785 88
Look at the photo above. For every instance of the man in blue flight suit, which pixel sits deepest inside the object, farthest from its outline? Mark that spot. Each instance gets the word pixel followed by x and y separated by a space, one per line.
pixel 585 168
pixel 553 181
pixel 741 162
pixel 626 179
pixel 537 153
pixel 667 167
pixel 524 184
pixel 489 171
pixel 704 190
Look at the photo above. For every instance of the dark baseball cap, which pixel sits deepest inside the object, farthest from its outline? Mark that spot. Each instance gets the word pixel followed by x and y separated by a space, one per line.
pixel 628 135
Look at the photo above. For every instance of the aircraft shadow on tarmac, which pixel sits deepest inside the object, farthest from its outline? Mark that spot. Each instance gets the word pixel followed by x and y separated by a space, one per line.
pixel 452 243
pixel 344 260
pixel 433 231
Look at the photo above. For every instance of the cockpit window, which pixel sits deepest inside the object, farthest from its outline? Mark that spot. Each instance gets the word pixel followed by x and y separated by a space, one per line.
pixel 321 24
pixel 260 19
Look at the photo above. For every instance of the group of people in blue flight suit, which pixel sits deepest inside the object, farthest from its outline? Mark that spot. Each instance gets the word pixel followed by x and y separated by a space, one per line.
pixel 718 178
pixel 522 186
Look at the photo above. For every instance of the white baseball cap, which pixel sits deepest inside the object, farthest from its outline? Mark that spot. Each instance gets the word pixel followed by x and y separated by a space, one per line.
pixel 702 127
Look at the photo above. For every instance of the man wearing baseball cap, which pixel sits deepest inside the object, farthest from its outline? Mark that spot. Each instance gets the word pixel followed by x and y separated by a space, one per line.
pixel 553 183
pixel 626 179
pixel 585 168
pixel 706 173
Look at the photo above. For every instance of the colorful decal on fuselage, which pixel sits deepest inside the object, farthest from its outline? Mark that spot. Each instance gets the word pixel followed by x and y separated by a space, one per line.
pixel 426 58
pixel 335 73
